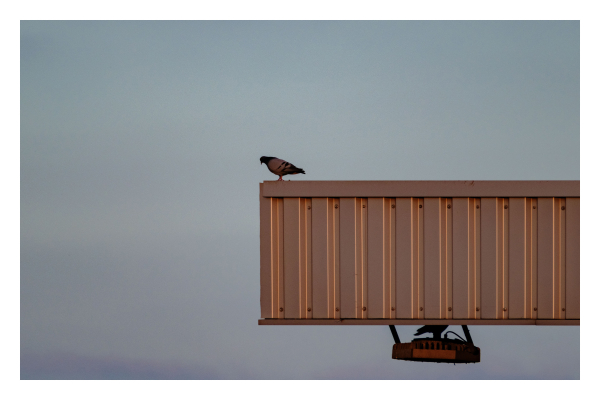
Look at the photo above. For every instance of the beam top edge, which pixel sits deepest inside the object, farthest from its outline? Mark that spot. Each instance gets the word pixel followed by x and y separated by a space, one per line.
pixel 471 188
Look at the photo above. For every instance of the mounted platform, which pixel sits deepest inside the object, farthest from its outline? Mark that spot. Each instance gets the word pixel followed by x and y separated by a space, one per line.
pixel 439 351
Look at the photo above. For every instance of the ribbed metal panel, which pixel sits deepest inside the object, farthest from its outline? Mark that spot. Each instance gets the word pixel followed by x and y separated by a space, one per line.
pixel 419 258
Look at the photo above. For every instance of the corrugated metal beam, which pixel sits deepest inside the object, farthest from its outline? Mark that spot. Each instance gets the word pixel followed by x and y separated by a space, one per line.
pixel 432 258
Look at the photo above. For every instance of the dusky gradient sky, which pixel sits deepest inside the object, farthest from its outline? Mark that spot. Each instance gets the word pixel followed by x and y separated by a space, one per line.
pixel 140 147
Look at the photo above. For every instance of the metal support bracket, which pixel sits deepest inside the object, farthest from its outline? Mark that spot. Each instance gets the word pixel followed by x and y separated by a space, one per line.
pixel 395 334
pixel 467 334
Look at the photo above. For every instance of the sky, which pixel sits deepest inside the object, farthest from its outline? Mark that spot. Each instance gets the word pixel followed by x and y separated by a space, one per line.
pixel 139 180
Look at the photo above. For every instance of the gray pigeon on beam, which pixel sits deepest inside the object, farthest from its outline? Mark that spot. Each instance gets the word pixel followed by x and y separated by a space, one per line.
pixel 280 167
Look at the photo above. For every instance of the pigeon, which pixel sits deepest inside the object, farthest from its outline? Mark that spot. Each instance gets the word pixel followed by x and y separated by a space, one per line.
pixel 280 167
pixel 435 329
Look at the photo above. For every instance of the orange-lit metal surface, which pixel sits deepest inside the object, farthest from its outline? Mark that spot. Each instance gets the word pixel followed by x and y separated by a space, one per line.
pixel 415 252
pixel 440 351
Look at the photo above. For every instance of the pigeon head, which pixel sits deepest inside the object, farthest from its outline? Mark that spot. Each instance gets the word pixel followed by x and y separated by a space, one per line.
pixel 265 159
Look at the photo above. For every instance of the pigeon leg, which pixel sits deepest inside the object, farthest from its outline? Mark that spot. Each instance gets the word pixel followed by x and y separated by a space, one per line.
pixel 280 179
